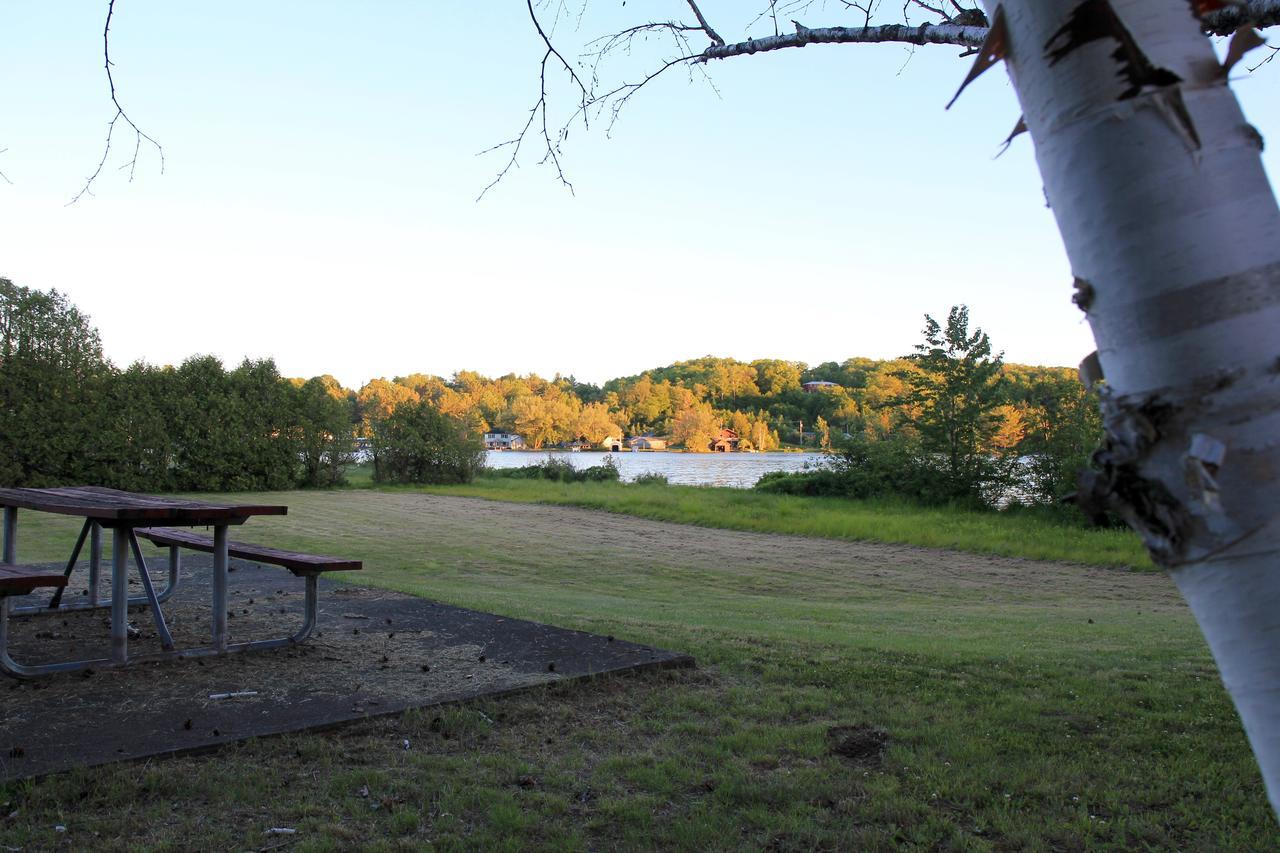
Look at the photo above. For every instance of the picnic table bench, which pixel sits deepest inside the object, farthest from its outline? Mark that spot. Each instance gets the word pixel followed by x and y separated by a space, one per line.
pixel 307 566
pixel 20 580
pixel 300 564
pixel 126 514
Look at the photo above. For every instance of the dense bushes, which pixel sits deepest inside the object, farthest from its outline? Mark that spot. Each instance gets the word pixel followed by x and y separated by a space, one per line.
pixel 897 469
pixel 68 416
pixel 51 371
pixel 417 443
pixel 562 471
pixel 887 468
pixel 953 437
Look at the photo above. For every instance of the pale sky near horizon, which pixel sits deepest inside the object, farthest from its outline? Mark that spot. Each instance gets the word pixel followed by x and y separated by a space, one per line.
pixel 318 202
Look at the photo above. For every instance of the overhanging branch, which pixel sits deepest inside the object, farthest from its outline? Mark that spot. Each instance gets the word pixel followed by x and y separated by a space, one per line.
pixel 953 23
pixel 901 33
pixel 1259 13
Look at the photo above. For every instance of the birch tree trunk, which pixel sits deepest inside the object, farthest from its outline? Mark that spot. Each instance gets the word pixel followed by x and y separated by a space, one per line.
pixel 1173 234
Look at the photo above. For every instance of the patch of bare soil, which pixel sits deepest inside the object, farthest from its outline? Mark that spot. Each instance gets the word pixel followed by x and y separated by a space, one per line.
pixel 862 745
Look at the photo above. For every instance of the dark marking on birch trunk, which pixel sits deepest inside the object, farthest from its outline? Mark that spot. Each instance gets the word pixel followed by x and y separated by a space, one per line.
pixel 1096 19
pixel 1083 296
pixel 1116 482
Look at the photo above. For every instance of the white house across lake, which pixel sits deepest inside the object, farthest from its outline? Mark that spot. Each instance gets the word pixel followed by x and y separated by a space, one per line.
pixel 503 441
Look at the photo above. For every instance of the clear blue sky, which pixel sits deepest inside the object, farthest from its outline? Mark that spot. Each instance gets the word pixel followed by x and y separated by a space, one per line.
pixel 318 199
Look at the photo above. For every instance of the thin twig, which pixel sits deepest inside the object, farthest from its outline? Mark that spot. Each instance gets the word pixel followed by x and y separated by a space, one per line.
pixel 138 135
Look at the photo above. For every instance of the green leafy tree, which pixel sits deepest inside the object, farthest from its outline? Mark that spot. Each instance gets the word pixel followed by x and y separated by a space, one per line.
pixel 51 375
pixel 775 377
pixel 1064 428
pixel 595 423
pixel 695 426
pixel 323 434
pixel 417 443
pixel 762 437
pixel 740 423
pixel 378 399
pixel 730 380
pixel 265 427
pixel 137 422
pixel 957 389
pixel 823 430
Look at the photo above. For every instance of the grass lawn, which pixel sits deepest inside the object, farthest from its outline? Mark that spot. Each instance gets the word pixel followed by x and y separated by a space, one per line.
pixel 1008 534
pixel 849 696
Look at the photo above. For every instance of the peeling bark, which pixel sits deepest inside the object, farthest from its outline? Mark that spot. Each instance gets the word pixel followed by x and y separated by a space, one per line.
pixel 1173 234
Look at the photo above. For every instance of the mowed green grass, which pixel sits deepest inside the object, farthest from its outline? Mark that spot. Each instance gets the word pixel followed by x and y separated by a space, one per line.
pixel 1008 534
pixel 1075 709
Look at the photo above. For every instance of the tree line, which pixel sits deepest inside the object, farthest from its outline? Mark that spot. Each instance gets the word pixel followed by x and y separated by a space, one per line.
pixel 69 415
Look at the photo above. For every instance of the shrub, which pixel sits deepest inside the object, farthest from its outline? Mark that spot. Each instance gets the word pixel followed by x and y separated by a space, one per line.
pixel 606 472
pixel 417 443
pixel 559 470
pixel 526 472
pixel 562 471
pixel 888 468
pixel 651 478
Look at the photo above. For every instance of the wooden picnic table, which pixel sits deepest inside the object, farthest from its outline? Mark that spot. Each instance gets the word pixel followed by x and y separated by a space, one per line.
pixel 122 512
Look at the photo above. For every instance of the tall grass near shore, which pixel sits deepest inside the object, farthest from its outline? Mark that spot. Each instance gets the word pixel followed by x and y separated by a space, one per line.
pixel 1011 534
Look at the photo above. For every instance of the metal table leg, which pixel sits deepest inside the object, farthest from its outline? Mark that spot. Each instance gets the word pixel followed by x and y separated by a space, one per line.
pixel 95 562
pixel 220 588
pixel 10 532
pixel 119 596
pixel 71 564
pixel 166 640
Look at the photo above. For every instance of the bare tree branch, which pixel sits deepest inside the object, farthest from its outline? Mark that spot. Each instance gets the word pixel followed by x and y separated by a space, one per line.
pixel 538 113
pixel 706 28
pixel 951 22
pixel 138 135
pixel 1252 68
pixel 923 34
pixel 1259 13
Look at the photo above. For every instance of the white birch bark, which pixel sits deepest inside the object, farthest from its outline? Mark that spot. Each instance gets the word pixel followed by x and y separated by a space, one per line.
pixel 1173 233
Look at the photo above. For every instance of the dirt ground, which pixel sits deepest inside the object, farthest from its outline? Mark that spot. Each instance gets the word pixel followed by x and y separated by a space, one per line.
pixel 374 652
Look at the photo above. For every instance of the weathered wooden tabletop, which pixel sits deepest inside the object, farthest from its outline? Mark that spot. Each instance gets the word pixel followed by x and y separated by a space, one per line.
pixel 113 505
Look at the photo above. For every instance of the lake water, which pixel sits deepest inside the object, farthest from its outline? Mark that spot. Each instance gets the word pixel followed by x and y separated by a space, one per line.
pixel 739 470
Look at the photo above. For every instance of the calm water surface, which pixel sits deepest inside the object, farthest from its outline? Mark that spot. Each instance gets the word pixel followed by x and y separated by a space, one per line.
pixel 740 470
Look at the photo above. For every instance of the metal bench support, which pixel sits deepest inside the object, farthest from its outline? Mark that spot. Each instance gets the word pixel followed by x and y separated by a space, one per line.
pixel 94 531
pixel 166 640
pixel 10 531
pixel 9 666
